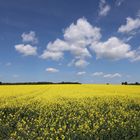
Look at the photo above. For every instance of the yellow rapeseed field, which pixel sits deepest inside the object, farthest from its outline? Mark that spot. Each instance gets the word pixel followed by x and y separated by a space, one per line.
pixel 71 112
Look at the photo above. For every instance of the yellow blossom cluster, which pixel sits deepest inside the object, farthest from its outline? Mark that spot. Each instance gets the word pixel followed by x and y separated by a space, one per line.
pixel 70 112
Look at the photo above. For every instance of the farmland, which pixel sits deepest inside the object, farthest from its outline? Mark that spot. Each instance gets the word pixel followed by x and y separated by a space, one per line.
pixel 88 112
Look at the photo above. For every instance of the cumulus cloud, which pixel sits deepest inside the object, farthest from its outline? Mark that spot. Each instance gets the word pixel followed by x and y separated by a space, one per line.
pixel 80 73
pixel 97 74
pixel 115 75
pixel 137 55
pixel 81 39
pixel 52 55
pixel 58 45
pixel 104 8
pixel 81 63
pixel 113 49
pixel 82 32
pixel 26 50
pixel 55 50
pixel 77 38
pixel 131 25
pixel 29 37
pixel 52 70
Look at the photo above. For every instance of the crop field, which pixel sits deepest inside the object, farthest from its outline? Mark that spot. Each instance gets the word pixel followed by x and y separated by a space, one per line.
pixel 71 112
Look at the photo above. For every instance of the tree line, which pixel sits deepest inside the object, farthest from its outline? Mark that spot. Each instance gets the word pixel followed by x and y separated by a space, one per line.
pixel 126 83
pixel 41 83
pixel 37 83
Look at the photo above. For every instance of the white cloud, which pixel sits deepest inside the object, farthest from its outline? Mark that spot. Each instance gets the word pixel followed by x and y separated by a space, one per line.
pixel 97 74
pixel 81 39
pixel 80 73
pixel 26 50
pixel 131 25
pixel 80 52
pixel 77 38
pixel 55 50
pixel 102 74
pixel 82 33
pixel 119 2
pixel 81 63
pixel 52 70
pixel 58 45
pixel 113 49
pixel 137 58
pixel 137 55
pixel 29 37
pixel 52 55
pixel 115 75
pixel 104 8
pixel 71 63
pixel 127 39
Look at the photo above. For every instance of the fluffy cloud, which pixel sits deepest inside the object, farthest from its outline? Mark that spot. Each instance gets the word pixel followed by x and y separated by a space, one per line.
pixel 97 74
pixel 137 55
pixel 104 8
pixel 55 50
pixel 52 70
pixel 80 73
pixel 81 38
pixel 131 25
pixel 115 75
pixel 79 52
pixel 52 55
pixel 77 38
pixel 82 33
pixel 81 63
pixel 26 50
pixel 58 45
pixel 113 49
pixel 29 37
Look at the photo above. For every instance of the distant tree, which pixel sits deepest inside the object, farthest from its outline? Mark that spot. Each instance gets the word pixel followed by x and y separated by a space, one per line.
pixel 136 83
pixel 124 83
pixel 0 83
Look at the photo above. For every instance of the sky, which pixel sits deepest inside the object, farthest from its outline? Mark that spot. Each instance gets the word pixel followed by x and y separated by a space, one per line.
pixel 88 41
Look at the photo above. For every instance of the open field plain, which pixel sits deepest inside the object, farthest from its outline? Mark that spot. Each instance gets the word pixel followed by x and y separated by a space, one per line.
pixel 77 112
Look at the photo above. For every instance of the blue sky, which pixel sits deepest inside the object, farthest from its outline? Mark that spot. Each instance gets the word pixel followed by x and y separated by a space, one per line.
pixel 90 41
